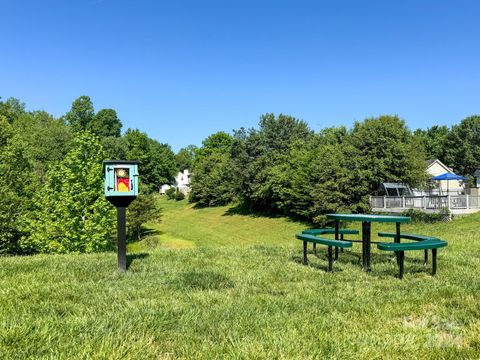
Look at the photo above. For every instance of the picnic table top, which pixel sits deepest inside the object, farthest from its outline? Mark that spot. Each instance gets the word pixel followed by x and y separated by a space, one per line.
pixel 369 218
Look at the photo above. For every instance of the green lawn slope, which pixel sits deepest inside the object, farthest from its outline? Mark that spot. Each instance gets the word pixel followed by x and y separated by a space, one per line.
pixel 214 284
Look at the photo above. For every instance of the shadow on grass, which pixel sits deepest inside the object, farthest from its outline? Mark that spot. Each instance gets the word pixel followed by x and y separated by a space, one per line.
pixel 378 262
pixel 411 266
pixel 146 234
pixel 149 231
pixel 139 256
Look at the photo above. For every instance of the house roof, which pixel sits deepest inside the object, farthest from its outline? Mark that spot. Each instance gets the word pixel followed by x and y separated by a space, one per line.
pixel 432 161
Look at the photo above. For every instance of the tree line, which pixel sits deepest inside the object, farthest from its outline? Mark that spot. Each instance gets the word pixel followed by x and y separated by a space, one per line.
pixel 285 167
pixel 52 201
pixel 52 197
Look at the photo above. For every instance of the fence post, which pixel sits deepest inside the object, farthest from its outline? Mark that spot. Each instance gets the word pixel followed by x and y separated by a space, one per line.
pixel 384 202
pixel 468 201
pixel 403 202
pixel 424 202
pixel 448 201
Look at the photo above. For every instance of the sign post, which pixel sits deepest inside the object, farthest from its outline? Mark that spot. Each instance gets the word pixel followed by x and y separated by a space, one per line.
pixel 121 188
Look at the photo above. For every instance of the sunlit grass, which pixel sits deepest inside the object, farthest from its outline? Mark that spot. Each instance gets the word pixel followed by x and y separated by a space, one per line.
pixel 208 284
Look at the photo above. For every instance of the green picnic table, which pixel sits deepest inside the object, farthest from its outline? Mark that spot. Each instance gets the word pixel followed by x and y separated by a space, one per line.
pixel 366 220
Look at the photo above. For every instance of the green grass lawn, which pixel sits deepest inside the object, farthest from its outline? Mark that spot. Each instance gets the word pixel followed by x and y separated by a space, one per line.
pixel 211 283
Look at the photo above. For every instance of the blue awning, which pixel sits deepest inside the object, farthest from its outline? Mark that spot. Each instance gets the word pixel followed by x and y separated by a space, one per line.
pixel 449 176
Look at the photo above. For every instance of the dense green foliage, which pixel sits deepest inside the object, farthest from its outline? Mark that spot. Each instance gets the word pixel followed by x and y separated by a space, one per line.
pixel 213 181
pixel 70 211
pixel 458 147
pixel 221 285
pixel 424 217
pixel 258 157
pixel 142 210
pixel 52 193
pixel 462 146
pixel 283 166
pixel 185 157
pixel 171 193
pixel 157 161
pixel 434 141
pixel 16 187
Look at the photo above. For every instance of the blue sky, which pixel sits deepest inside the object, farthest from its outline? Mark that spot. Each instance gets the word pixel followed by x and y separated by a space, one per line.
pixel 181 70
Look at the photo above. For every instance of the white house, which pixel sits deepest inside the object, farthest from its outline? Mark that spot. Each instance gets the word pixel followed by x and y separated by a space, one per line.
pixel 435 168
pixel 164 188
pixel 182 183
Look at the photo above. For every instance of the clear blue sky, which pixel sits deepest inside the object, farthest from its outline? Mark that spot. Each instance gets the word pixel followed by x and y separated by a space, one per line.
pixel 181 70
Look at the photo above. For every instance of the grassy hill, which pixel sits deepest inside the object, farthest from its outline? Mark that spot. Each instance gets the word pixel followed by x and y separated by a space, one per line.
pixel 213 283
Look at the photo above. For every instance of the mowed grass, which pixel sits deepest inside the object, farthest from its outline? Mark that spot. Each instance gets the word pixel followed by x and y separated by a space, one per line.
pixel 210 284
pixel 184 226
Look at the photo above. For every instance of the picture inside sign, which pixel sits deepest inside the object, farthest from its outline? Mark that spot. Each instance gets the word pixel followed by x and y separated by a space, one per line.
pixel 122 180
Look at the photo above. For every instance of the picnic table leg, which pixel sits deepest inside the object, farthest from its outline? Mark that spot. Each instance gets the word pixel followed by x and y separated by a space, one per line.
pixel 401 258
pixel 369 238
pixel 434 261
pixel 397 239
pixel 330 259
pixel 425 258
pixel 341 238
pixel 315 249
pixel 305 259
pixel 337 225
pixel 397 235
pixel 366 246
pixel 364 256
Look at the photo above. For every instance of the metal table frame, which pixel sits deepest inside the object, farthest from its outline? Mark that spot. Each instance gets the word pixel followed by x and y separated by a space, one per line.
pixel 366 230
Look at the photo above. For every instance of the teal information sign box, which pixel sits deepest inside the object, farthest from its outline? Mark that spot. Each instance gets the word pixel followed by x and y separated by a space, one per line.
pixel 121 181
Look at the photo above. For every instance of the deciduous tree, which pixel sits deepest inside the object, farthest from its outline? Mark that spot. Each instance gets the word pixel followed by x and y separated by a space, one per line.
pixel 16 184
pixel 71 213
pixel 462 146
pixel 81 113
pixel 185 157
pixel 106 123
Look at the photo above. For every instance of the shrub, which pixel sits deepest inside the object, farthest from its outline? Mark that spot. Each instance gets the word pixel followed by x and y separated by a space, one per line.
pixel 179 196
pixel 420 216
pixel 142 210
pixel 170 193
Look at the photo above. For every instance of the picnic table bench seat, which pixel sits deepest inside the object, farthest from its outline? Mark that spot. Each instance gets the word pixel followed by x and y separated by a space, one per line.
pixel 415 237
pixel 408 236
pixel 422 243
pixel 308 238
pixel 329 231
